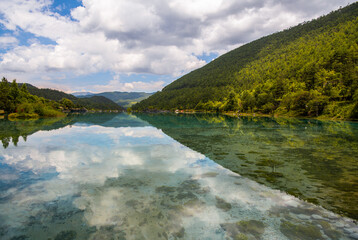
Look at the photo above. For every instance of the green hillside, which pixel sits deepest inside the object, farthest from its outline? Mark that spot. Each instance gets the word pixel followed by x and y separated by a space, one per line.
pixel 19 103
pixel 98 102
pixel 92 102
pixel 307 70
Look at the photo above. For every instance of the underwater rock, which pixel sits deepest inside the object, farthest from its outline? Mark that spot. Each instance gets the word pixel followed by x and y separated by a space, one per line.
pixel 132 203
pixel 186 195
pixel 22 237
pixel 332 216
pixel 191 185
pixel 317 217
pixel 332 234
pixel 339 224
pixel 231 229
pixel 222 204
pixel 180 233
pixel 253 227
pixel 300 231
pixel 244 230
pixel 354 236
pixel 355 230
pixel 165 189
pixel 66 235
pixel 241 236
pixel 303 217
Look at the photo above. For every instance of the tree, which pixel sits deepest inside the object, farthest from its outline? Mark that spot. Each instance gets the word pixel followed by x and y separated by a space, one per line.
pixel 67 103
pixel 14 90
pixel 232 103
pixel 23 88
pixel 4 93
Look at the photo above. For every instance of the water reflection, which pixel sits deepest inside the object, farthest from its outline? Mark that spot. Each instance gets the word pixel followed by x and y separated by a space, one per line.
pixel 13 131
pixel 314 160
pixel 97 181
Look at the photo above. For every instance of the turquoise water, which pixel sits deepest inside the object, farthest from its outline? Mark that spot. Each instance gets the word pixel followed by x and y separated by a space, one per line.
pixel 119 177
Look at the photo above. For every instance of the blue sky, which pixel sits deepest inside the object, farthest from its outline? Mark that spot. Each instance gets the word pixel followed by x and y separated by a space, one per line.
pixel 141 45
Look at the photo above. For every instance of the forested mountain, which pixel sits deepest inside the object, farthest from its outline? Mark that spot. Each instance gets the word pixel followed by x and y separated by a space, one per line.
pixel 48 93
pixel 307 70
pixel 96 102
pixel 19 103
pixel 125 99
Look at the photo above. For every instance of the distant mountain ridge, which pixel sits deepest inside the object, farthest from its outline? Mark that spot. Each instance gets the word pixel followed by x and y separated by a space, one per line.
pixel 125 99
pixel 91 102
pixel 307 70
pixel 79 94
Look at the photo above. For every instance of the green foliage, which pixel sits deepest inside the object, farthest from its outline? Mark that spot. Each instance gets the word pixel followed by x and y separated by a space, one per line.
pixel 23 116
pixel 19 103
pixel 47 111
pixel 25 108
pixel 4 92
pixel 14 91
pixel 67 103
pixel 307 70
pixel 23 88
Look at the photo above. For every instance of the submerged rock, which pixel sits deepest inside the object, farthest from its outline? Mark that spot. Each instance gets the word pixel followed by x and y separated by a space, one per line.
pixel 244 230
pixel 180 233
pixel 241 236
pixel 66 235
pixel 317 217
pixel 222 204
pixel 300 231
pixel 303 217
pixel 22 237
pixel 253 227
pixel 328 229
pixel 209 175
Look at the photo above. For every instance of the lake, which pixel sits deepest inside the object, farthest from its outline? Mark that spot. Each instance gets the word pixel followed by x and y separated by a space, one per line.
pixel 314 160
pixel 119 176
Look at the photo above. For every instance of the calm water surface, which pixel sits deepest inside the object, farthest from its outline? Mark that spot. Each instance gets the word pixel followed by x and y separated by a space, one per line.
pixel 119 177
pixel 314 160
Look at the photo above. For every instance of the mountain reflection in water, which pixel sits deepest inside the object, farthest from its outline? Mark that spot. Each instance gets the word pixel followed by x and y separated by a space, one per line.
pixel 311 159
pixel 117 177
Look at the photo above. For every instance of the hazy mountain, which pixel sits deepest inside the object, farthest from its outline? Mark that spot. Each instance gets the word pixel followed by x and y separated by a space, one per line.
pixel 125 99
pixel 81 94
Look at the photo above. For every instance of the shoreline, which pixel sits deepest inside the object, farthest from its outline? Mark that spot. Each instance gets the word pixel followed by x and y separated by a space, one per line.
pixel 244 114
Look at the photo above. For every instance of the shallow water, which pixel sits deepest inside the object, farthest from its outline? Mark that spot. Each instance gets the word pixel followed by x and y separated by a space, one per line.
pixel 314 160
pixel 117 177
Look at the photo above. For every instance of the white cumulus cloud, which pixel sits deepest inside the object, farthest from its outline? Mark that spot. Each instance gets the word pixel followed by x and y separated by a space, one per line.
pixel 152 37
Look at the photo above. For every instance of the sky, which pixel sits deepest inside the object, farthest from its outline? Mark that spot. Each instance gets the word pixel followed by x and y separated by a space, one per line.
pixel 133 45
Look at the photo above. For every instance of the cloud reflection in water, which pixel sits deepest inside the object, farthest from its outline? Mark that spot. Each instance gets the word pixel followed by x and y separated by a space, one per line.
pixel 137 183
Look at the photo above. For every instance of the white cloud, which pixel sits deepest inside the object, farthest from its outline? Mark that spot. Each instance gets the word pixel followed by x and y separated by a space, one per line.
pixel 124 37
pixel 117 85
pixel 8 41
